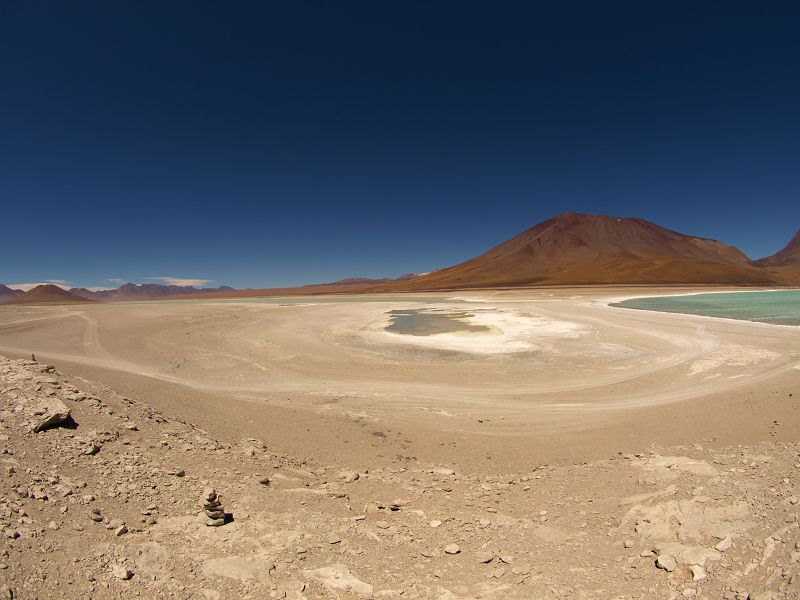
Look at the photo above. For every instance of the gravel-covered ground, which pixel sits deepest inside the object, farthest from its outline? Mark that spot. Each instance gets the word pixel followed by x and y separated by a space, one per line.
pixel 108 505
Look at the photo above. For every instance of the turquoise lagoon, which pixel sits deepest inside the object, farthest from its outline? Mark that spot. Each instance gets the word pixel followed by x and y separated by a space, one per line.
pixel 780 307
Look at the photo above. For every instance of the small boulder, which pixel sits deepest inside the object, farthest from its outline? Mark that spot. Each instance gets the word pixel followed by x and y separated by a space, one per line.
pixel 121 572
pixel 51 412
pixel 666 563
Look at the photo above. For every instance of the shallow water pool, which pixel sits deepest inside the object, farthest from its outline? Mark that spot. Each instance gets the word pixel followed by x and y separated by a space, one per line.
pixel 429 322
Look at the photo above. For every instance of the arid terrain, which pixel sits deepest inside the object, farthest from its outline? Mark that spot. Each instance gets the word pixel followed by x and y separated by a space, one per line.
pixel 556 447
pixel 573 248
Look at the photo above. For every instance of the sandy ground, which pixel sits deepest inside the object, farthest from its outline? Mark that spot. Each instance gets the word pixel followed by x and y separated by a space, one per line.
pixel 565 379
pixel 577 425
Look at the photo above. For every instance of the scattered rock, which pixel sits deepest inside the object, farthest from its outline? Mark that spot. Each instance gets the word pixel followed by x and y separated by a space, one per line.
pixel 698 573
pixel 667 563
pixel 350 476
pixel 725 544
pixel 121 572
pixel 50 412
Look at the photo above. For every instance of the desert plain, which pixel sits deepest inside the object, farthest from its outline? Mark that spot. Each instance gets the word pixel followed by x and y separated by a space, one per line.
pixel 548 446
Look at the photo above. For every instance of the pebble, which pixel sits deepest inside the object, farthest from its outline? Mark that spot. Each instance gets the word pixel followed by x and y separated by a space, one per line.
pixel 667 563
pixel 698 573
pixel 121 572
pixel 725 544
pixel 452 549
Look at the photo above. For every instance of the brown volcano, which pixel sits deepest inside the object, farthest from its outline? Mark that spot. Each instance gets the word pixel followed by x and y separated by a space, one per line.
pixel 46 294
pixel 588 249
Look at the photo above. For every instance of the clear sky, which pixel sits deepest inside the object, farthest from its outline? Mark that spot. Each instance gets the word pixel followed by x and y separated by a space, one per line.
pixel 273 143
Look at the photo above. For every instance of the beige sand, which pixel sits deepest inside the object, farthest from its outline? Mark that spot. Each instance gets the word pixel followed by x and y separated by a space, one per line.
pixel 573 451
pixel 562 378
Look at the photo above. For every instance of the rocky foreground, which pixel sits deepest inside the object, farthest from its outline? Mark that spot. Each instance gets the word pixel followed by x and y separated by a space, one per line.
pixel 102 497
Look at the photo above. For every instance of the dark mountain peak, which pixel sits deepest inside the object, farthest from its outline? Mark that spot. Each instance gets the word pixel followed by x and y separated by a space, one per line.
pixel 7 292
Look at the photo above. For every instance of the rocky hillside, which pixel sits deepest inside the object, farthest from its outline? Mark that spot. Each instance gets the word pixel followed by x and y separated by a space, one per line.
pixel 103 497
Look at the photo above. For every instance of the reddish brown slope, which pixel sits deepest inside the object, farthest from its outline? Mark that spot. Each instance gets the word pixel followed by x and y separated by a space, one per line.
pixel 785 264
pixel 46 294
pixel 581 249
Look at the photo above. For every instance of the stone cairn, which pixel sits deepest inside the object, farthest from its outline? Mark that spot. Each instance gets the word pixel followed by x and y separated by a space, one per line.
pixel 213 508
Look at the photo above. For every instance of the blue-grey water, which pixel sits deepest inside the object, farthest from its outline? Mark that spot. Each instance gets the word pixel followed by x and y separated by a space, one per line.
pixel 428 322
pixel 777 307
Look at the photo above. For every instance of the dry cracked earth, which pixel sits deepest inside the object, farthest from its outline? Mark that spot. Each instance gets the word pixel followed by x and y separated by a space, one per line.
pixel 102 497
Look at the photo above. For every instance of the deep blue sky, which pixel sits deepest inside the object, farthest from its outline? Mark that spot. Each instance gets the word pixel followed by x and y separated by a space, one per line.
pixel 274 143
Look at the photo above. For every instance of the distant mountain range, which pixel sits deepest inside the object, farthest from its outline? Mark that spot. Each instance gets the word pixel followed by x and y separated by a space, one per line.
pixel 145 291
pixel 7 292
pixel 45 294
pixel 574 249
pixel 48 293
pixel 570 249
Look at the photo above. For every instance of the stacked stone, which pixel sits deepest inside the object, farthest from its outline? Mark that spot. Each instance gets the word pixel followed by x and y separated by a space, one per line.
pixel 213 508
